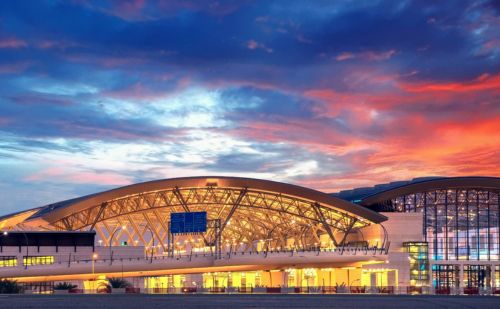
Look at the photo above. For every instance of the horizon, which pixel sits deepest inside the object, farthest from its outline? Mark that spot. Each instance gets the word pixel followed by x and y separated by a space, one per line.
pixel 95 95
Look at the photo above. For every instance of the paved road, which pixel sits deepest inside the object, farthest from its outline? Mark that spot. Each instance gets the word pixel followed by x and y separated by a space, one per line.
pixel 245 301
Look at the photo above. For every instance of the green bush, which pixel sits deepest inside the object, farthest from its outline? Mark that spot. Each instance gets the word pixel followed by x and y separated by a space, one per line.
pixel 64 286
pixel 9 286
pixel 119 283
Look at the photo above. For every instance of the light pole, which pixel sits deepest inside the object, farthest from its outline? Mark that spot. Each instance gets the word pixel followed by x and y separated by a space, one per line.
pixel 94 257
pixel 152 245
pixel 5 233
pixel 111 242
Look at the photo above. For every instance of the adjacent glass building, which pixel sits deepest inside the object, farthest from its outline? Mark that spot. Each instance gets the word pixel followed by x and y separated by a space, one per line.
pixel 461 224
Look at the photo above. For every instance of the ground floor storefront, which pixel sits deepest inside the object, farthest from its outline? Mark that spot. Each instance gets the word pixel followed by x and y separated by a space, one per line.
pixel 453 278
pixel 301 278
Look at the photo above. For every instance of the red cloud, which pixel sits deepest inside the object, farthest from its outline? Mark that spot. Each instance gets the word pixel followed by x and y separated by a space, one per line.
pixel 483 82
pixel 409 130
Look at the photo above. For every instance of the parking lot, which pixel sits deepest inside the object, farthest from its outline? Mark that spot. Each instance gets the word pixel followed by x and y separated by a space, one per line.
pixel 246 301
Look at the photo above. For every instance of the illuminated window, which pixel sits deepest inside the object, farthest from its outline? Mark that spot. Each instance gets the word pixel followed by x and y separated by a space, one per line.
pixel 477 275
pixel 419 262
pixel 445 276
pixel 38 260
pixel 8 261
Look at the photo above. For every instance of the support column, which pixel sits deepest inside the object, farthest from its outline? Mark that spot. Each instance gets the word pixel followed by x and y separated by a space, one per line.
pixel 461 284
pixel 492 275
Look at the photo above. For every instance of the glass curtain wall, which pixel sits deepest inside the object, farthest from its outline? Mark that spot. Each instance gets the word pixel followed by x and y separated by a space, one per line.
pixel 459 224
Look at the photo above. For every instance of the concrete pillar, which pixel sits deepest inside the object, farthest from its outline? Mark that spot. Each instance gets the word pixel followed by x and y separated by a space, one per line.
pixel 194 280
pixel 391 278
pixel 277 278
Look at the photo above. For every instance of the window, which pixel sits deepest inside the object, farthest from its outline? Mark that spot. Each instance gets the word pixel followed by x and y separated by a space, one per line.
pixel 38 260
pixel 8 261
pixel 444 276
pixel 419 262
pixel 477 275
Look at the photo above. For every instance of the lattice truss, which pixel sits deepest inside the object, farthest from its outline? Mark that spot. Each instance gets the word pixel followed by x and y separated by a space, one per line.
pixel 247 216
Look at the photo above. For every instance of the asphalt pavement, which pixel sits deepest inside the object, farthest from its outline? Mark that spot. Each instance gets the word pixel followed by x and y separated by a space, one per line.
pixel 145 301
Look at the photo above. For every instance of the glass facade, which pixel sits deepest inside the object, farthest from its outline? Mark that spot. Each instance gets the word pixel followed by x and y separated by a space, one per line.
pixel 445 276
pixel 477 276
pixel 419 262
pixel 459 224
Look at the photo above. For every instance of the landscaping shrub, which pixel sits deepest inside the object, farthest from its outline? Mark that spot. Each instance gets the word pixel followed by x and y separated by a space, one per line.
pixel 119 283
pixel 9 286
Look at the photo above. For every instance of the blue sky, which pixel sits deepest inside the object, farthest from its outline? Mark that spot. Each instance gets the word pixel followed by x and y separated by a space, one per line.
pixel 326 94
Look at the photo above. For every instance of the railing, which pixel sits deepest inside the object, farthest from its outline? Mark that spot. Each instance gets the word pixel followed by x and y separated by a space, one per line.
pixel 391 290
pixel 381 290
pixel 341 251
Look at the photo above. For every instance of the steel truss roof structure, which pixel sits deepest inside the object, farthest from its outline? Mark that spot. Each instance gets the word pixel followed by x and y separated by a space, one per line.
pixel 249 210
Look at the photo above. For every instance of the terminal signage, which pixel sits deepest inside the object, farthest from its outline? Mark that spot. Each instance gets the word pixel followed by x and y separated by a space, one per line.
pixel 188 222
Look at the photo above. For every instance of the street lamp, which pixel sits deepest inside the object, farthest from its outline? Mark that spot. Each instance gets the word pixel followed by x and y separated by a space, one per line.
pixel 124 227
pixel 5 233
pixel 94 257
pixel 152 245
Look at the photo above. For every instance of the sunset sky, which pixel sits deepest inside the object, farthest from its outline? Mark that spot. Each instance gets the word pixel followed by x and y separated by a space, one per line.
pixel 326 94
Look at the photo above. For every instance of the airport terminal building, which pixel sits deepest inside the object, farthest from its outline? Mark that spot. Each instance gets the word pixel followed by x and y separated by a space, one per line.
pixel 229 234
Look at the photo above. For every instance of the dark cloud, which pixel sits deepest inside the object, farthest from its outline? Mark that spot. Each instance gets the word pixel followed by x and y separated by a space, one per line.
pixel 77 121
pixel 246 102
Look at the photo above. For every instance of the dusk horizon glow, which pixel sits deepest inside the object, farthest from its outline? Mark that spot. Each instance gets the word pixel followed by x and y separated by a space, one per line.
pixel 329 95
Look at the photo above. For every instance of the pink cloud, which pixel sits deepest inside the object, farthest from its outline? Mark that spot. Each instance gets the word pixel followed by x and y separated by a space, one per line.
pixel 106 62
pixel 4 121
pixel 252 44
pixel 80 177
pixel 378 56
pixel 369 55
pixel 345 56
pixel 141 92
pixel 129 9
pixel 49 44
pixel 12 43
pixel 11 68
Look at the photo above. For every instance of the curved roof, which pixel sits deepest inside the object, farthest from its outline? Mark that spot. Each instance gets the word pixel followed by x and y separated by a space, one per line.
pixel 357 194
pixel 473 182
pixel 56 211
